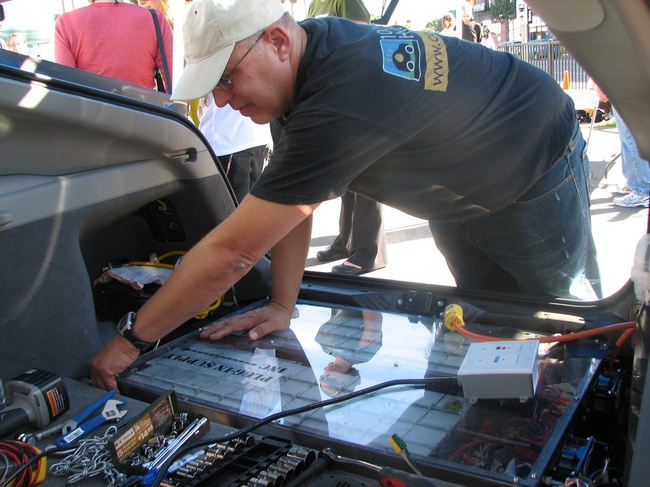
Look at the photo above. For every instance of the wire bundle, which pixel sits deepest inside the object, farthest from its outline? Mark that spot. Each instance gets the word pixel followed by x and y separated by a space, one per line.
pixel 15 454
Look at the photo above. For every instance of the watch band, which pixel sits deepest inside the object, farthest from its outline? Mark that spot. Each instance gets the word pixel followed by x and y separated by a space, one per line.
pixel 125 328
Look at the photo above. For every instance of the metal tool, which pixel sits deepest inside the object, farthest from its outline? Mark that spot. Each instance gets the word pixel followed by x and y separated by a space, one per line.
pixel 109 413
pixel 387 476
pixel 195 428
pixel 65 427
pixel 37 397
pixel 33 438
pixel 72 424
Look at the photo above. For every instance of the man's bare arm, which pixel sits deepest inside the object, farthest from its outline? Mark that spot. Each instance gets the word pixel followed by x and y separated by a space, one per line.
pixel 288 258
pixel 211 267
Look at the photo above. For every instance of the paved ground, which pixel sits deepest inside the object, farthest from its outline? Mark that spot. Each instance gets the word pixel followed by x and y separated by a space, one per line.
pixel 413 256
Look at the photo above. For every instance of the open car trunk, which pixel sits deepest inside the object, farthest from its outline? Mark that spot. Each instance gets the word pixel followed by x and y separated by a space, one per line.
pixel 96 174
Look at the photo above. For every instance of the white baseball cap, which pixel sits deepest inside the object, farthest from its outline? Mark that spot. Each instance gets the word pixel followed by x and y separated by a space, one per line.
pixel 210 31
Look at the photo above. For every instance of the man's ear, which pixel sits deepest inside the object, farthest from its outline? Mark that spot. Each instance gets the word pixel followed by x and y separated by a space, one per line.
pixel 279 37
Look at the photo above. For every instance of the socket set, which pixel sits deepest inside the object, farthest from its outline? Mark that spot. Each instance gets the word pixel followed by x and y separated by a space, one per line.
pixel 242 462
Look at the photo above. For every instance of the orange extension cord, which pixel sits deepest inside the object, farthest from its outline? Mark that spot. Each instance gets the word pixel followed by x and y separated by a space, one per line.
pixel 455 322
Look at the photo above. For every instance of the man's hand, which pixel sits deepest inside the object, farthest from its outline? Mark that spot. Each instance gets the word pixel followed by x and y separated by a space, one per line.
pixel 111 360
pixel 260 322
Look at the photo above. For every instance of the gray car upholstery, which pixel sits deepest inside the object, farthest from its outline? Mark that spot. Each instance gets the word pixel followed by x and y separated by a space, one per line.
pixel 75 175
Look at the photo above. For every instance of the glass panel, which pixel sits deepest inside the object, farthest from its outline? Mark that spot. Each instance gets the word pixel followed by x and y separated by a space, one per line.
pixel 331 352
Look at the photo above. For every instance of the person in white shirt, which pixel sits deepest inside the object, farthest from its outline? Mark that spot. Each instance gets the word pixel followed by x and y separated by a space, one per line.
pixel 448 25
pixel 240 144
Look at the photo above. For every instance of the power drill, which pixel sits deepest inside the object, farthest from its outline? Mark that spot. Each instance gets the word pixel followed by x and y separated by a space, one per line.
pixel 36 397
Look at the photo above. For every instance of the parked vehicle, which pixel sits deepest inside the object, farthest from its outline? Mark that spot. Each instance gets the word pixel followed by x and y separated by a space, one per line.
pixel 539 48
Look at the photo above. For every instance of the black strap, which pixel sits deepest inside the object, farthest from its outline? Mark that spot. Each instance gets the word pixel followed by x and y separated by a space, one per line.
pixel 161 48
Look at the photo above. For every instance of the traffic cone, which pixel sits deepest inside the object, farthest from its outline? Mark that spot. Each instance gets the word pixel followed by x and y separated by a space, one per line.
pixel 566 81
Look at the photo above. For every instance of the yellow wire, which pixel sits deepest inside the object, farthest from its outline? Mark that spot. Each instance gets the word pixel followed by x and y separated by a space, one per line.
pixel 173 252
pixel 209 309
pixel 393 443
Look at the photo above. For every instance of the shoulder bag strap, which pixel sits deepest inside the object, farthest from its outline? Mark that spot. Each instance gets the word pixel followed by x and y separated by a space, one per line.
pixel 161 48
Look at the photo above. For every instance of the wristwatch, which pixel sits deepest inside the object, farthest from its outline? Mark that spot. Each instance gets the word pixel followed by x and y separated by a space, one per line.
pixel 125 328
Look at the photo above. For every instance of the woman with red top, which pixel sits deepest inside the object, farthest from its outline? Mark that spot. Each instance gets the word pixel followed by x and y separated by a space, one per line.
pixel 115 39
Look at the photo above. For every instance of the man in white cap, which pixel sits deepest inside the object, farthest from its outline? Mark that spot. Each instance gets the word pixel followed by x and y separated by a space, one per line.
pixel 380 111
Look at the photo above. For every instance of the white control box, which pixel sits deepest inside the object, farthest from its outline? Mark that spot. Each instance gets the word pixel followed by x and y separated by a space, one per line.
pixel 500 370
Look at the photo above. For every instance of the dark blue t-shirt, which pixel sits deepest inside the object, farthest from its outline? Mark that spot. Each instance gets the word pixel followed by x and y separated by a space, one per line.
pixel 437 127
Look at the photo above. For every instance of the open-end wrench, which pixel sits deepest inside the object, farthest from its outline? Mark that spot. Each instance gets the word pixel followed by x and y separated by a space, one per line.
pixel 72 424
pixel 109 413
pixel 66 426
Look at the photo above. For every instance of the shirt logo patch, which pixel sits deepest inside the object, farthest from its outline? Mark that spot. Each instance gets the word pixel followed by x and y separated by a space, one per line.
pixel 401 58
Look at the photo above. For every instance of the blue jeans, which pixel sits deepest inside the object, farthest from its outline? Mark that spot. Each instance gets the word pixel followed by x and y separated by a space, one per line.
pixel 635 170
pixel 539 245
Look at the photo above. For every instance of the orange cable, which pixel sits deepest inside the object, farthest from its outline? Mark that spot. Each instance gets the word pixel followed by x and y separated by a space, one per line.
pixel 619 343
pixel 630 326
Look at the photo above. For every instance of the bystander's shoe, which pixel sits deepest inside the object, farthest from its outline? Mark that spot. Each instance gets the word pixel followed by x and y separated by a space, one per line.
pixel 632 200
pixel 352 269
pixel 623 189
pixel 330 254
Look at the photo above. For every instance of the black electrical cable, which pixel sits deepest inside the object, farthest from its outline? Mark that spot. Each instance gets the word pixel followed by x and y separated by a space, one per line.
pixel 447 380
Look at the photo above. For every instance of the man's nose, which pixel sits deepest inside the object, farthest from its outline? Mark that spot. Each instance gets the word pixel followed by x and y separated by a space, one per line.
pixel 221 97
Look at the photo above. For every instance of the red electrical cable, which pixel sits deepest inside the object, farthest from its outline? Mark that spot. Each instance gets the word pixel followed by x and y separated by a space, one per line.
pixel 21 453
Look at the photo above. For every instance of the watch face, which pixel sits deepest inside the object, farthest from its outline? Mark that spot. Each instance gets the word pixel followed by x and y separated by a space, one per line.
pixel 126 322
pixel 125 328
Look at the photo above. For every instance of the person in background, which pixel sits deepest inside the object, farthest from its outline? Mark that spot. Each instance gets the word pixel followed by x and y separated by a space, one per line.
pixel 361 239
pixel 636 192
pixel 240 144
pixel 471 30
pixel 115 39
pixel 636 171
pixel 382 111
pixel 17 42
pixel 448 25
pixel 3 43
pixel 488 37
